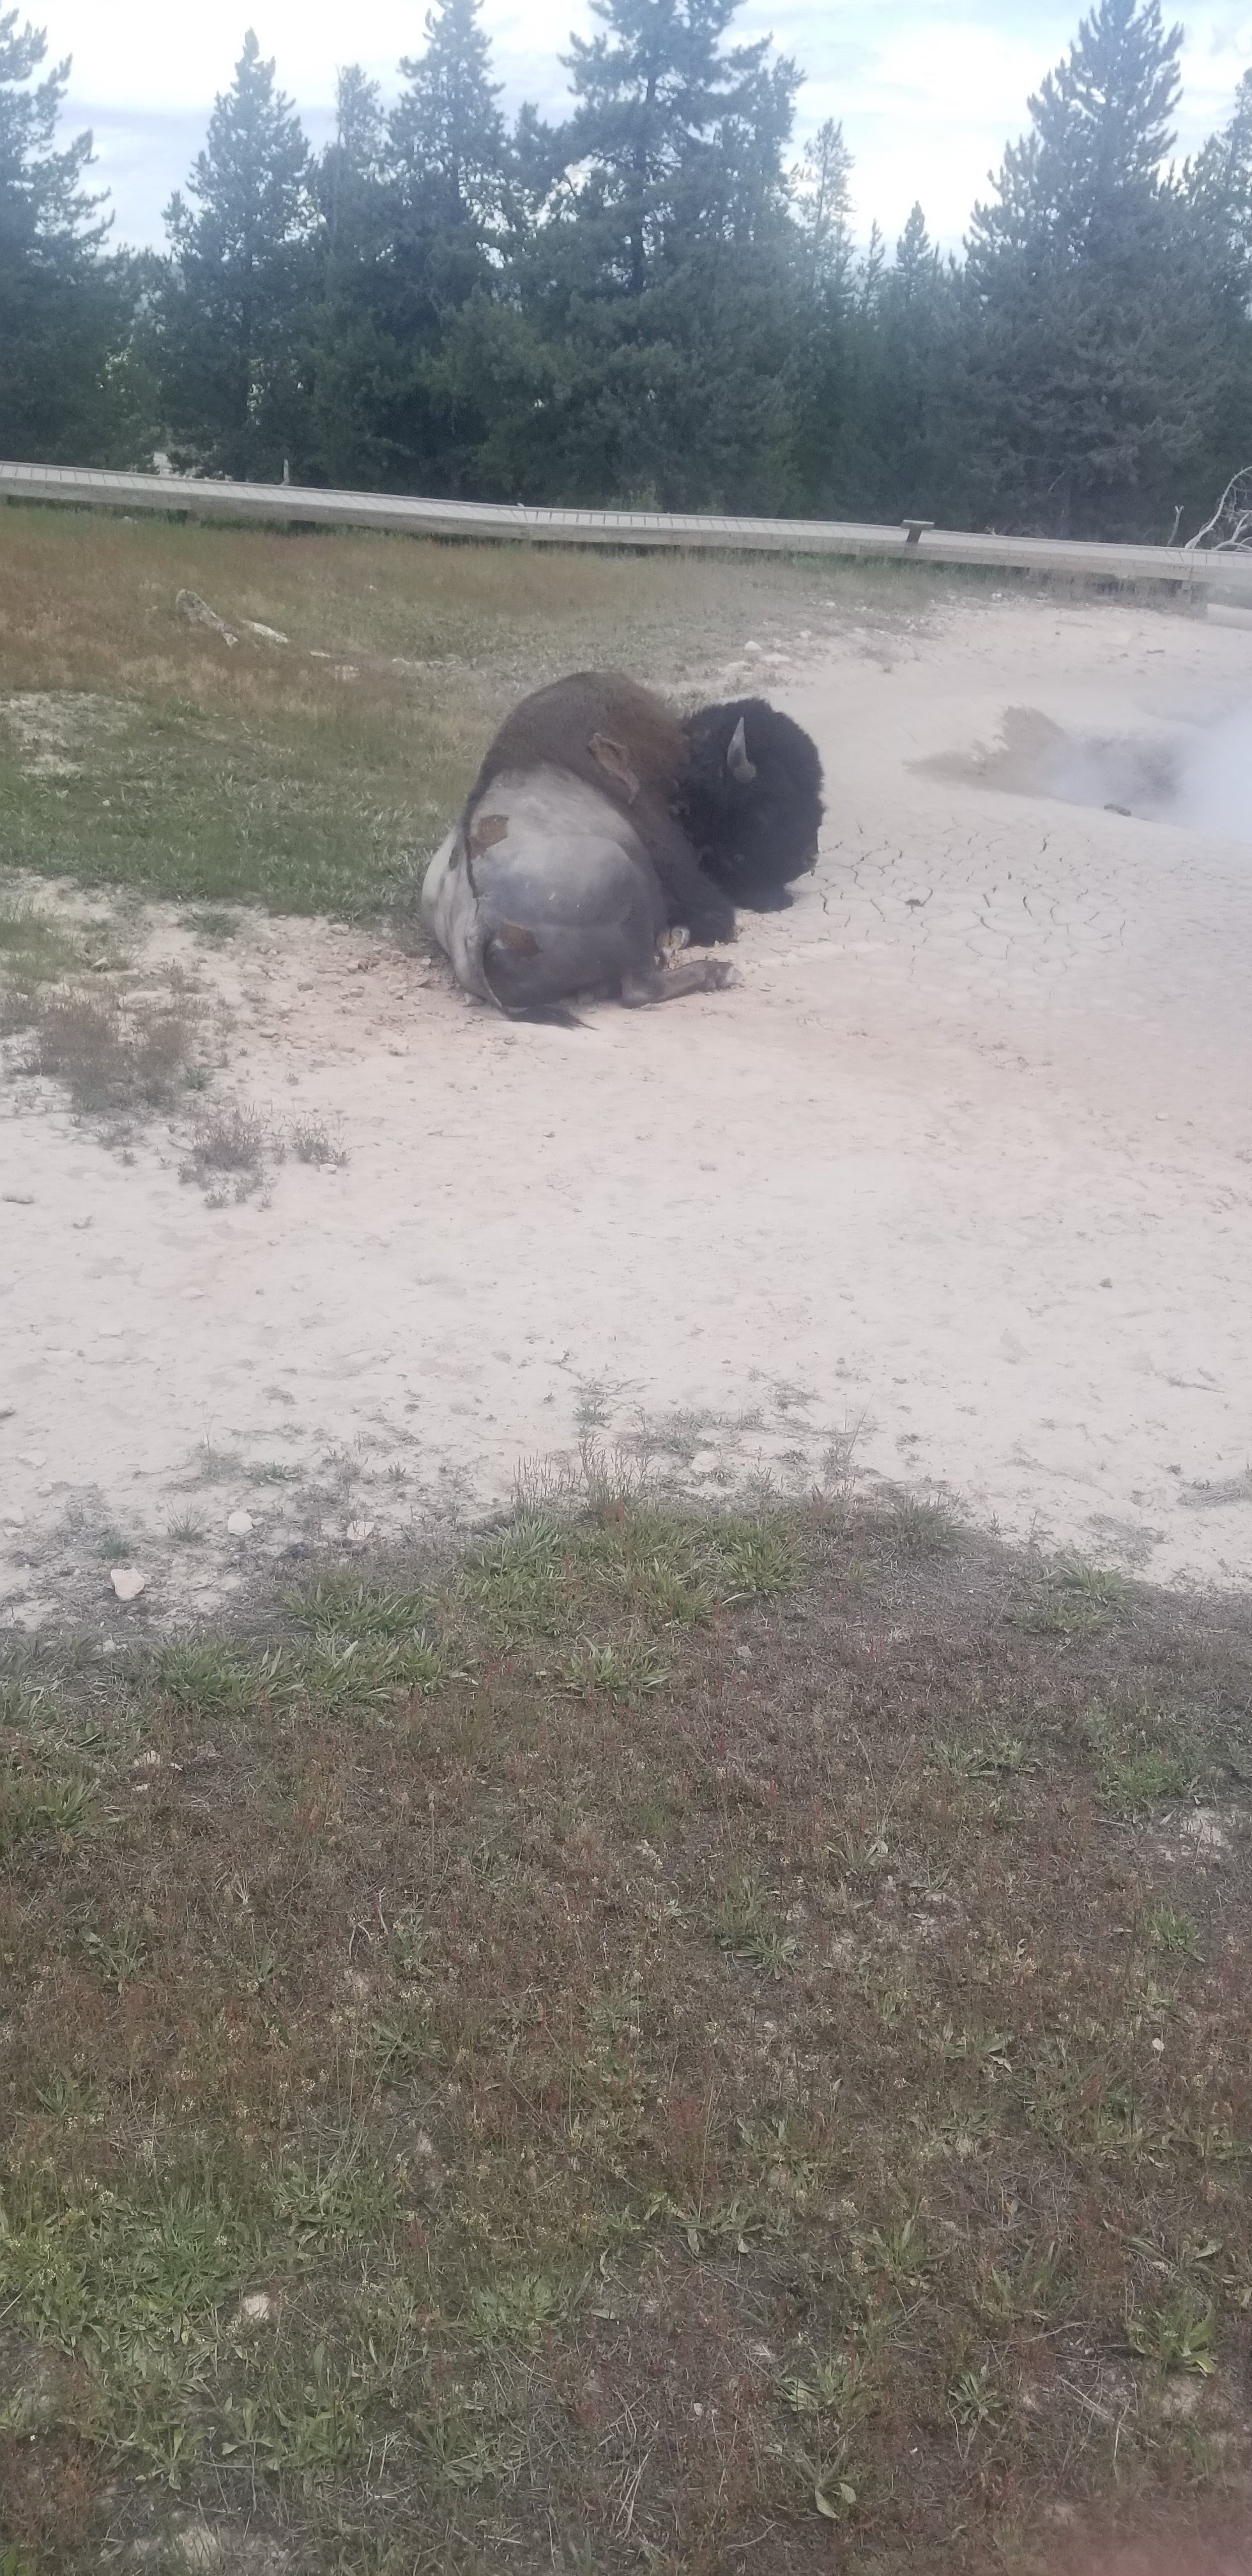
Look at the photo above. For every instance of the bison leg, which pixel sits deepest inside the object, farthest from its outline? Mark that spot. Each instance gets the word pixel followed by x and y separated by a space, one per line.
pixel 692 900
pixel 666 983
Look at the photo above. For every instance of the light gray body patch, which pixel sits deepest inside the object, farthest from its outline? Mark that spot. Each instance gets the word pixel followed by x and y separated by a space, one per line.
pixel 549 893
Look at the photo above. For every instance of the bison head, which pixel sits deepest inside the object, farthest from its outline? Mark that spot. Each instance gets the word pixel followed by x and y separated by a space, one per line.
pixel 752 800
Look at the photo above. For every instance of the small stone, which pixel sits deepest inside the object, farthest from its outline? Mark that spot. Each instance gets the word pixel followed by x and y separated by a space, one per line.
pixel 1205 1829
pixel 1181 2400
pixel 14 1518
pixel 127 1582
pixel 359 1531
pixel 239 1524
pixel 257 2308
pixel 198 613
pixel 31 1458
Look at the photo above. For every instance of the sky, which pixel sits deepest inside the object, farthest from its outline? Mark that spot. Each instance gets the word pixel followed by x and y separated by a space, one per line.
pixel 929 91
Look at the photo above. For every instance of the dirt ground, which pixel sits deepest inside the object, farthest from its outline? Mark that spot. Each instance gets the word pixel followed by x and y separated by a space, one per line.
pixel 953 1189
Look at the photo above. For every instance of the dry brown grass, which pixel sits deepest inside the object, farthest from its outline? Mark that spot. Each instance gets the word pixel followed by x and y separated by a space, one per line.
pixel 704 2043
pixel 141 749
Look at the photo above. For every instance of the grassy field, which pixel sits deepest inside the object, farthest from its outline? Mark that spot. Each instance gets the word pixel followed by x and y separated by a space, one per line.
pixel 139 750
pixel 670 2043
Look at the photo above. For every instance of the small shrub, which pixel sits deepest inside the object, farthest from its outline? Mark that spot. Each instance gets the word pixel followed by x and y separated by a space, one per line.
pixel 918 1529
pixel 518 2310
pixel 313 1141
pixel 1178 2337
pixel 208 1676
pixel 30 1808
pixel 743 1926
pixel 234 1138
pixel 1174 1933
pixel 619 1671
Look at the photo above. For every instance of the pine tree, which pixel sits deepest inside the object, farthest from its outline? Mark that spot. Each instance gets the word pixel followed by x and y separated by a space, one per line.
pixel 822 202
pixel 239 259
pixel 350 176
pixel 65 309
pixel 681 139
pixel 1219 198
pixel 1101 129
pixel 448 147
pixel 1091 337
pixel 45 212
pixel 910 432
pixel 347 364
pixel 1219 191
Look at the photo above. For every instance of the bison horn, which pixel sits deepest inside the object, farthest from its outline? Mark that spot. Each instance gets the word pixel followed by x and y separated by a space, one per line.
pixel 737 760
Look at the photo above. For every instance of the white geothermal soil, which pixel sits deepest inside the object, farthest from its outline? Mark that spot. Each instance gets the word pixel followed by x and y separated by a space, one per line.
pixel 951 1191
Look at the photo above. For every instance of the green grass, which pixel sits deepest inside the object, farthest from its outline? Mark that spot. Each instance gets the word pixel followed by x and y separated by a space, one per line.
pixel 539 1577
pixel 1145 1760
pixel 564 2042
pixel 1173 1932
pixel 224 778
pixel 37 1808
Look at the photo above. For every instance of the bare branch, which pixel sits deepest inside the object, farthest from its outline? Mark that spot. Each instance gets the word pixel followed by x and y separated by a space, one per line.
pixel 1230 527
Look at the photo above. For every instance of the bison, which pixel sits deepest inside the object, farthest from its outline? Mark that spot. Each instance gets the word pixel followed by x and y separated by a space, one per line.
pixel 599 825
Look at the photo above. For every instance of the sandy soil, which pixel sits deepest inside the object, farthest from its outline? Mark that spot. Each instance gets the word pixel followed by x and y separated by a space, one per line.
pixel 953 1189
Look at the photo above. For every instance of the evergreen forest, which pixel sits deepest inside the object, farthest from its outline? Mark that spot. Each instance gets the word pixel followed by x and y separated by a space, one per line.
pixel 658 303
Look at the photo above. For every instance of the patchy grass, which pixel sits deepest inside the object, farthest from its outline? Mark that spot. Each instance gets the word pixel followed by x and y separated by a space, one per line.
pixel 79 1015
pixel 1075 1598
pixel 35 949
pixel 673 2041
pixel 1146 1757
pixel 138 750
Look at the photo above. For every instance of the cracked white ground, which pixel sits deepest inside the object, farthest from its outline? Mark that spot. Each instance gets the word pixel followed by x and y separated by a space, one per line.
pixel 959 1173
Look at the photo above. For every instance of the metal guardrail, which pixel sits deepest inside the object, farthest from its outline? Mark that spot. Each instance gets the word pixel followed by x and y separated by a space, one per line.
pixel 505 521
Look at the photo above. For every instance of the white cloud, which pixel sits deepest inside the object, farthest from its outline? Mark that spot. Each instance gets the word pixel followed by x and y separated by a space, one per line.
pixel 929 93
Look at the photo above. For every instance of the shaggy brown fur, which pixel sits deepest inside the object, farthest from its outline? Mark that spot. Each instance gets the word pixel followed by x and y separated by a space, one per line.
pixel 625 742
